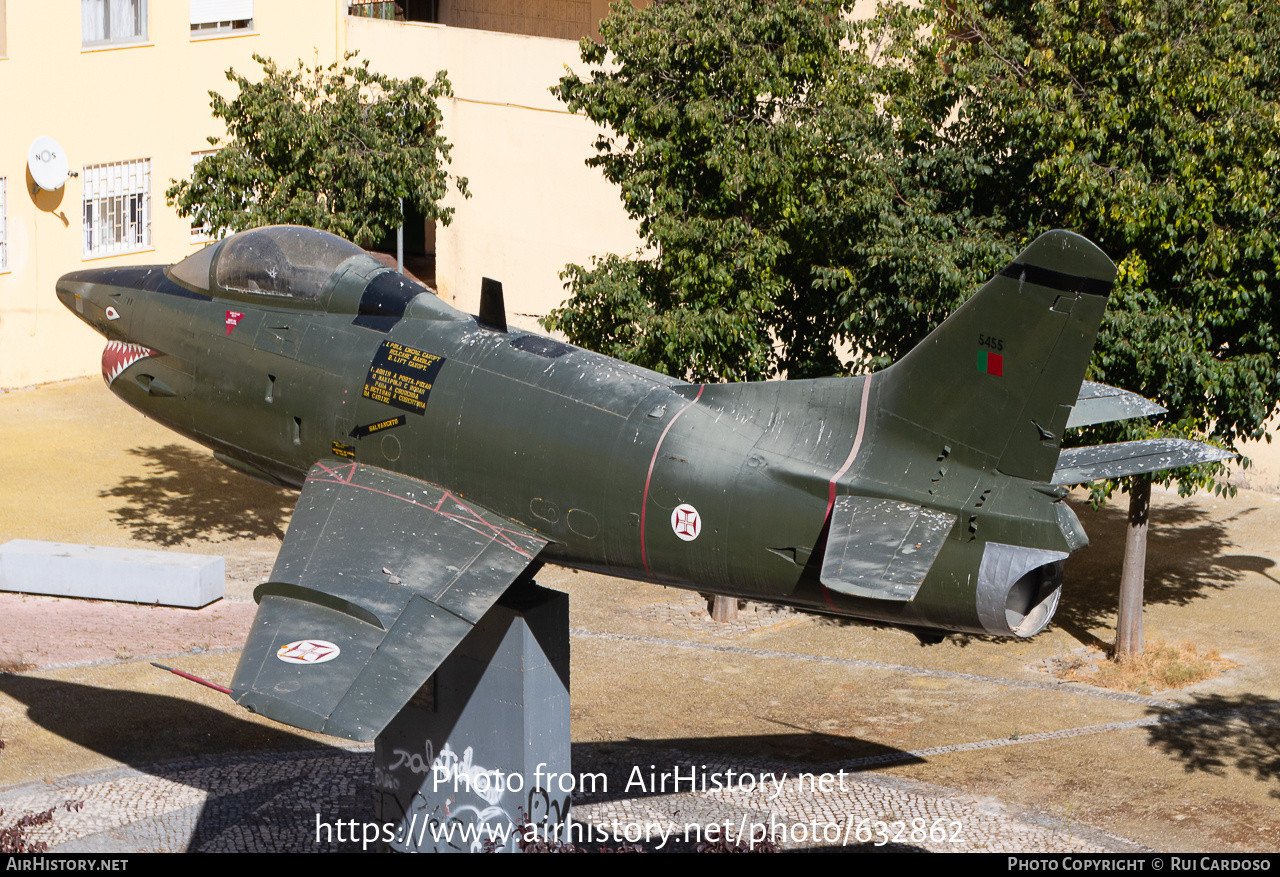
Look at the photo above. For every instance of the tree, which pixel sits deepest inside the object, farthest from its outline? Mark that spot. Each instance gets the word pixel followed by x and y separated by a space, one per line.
pixel 792 194
pixel 721 116
pixel 1153 129
pixel 327 147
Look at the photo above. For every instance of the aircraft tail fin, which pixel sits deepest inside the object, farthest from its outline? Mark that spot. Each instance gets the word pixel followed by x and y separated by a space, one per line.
pixel 1002 374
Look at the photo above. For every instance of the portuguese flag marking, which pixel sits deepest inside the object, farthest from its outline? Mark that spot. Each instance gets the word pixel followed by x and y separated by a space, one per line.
pixel 991 363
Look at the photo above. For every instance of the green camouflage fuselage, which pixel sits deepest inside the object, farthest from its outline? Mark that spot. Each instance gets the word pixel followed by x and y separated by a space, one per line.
pixel 592 453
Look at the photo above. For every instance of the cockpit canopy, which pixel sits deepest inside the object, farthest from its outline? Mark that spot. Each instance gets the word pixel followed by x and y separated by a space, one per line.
pixel 289 266
pixel 281 261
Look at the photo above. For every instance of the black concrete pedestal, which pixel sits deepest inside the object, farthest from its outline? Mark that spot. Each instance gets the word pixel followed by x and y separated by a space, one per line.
pixel 483 747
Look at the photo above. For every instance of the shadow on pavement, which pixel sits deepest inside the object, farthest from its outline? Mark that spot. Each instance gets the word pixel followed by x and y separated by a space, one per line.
pixel 1251 563
pixel 191 496
pixel 1239 731
pixel 271 782
pixel 637 769
pixel 1186 561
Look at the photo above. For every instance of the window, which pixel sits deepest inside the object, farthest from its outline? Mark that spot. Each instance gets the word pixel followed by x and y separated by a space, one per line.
pixel 384 9
pixel 4 229
pixel 396 10
pixel 113 21
pixel 200 233
pixel 117 208
pixel 210 17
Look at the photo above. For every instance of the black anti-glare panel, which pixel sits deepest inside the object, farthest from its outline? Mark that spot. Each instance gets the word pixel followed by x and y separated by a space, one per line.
pixel 385 299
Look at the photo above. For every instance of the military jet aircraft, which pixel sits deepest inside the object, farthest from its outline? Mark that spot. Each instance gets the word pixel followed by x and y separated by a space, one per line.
pixel 443 456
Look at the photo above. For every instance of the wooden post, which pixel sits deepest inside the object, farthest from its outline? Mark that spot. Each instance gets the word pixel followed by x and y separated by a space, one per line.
pixel 724 608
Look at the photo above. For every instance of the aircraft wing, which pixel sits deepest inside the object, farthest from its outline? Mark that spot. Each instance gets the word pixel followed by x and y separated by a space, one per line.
pixel 1099 403
pixel 1078 465
pixel 379 578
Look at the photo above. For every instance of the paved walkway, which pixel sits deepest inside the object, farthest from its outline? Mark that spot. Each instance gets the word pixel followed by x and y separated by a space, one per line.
pixel 271 803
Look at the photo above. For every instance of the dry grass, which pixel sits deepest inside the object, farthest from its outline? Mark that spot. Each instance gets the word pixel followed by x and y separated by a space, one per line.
pixel 1160 667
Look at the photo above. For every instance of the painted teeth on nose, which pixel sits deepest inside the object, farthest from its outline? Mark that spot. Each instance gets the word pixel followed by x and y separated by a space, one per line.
pixel 118 356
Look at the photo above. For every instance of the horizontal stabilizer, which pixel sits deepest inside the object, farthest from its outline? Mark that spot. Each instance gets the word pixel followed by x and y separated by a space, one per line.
pixel 881 548
pixel 1078 465
pixel 1099 403
pixel 379 578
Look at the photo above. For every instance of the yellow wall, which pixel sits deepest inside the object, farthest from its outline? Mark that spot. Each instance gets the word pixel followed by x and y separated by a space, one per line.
pixel 143 101
pixel 535 205
pixel 1264 462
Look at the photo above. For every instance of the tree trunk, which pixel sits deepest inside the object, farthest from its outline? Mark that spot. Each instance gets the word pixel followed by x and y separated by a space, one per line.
pixel 1129 619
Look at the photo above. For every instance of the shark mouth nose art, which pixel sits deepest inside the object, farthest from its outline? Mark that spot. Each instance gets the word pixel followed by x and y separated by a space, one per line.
pixel 118 356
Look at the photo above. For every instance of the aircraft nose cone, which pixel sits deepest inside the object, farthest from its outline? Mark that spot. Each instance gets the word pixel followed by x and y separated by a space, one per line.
pixel 71 293
pixel 91 296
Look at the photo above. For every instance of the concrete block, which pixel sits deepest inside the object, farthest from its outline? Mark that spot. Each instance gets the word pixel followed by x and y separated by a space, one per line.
pixel 129 575
pixel 472 755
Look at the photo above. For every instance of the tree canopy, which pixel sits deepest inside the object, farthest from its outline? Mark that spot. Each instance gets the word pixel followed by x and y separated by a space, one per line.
pixel 718 113
pixel 334 148
pixel 794 194
pixel 1152 128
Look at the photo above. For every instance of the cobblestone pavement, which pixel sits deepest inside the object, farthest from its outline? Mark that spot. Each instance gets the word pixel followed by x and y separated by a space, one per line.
pixel 271 803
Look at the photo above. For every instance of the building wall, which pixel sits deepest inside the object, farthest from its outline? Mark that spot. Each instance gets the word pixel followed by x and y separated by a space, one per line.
pixel 147 100
pixel 1264 463
pixel 535 205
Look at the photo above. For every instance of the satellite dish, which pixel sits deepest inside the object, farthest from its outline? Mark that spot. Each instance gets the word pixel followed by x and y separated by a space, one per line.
pixel 48 163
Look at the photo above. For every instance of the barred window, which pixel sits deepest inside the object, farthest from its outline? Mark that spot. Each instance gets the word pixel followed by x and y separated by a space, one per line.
pixel 117 207
pixel 113 21
pixel 396 10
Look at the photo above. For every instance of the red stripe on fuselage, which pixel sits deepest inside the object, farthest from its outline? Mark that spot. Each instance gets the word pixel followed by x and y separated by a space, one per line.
pixel 853 452
pixel 644 501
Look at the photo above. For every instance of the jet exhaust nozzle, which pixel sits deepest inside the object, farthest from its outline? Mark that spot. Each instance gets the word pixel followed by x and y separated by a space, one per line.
pixel 1018 588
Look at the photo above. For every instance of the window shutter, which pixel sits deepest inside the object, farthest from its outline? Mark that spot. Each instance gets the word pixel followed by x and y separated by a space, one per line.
pixel 212 11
